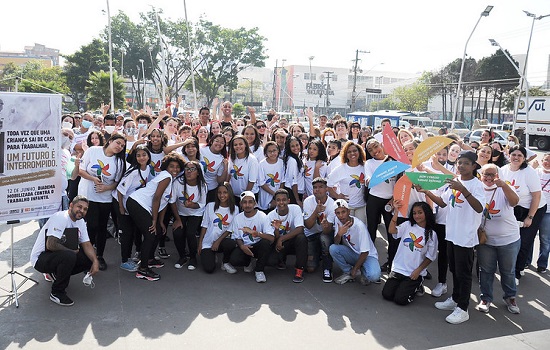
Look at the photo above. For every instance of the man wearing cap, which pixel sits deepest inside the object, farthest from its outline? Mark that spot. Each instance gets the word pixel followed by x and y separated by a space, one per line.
pixel 464 197
pixel 318 219
pixel 253 233
pixel 353 249
pixel 288 228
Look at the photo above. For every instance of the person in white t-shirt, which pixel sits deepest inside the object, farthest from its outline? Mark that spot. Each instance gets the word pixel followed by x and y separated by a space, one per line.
pixel 315 166
pixel 544 229
pixel 100 170
pixel 464 197
pixel 353 250
pixel 417 249
pixel 214 164
pixel 503 240
pixel 50 256
pixel 254 235
pixel 288 228
pixel 145 205
pixel 347 181
pixel 532 205
pixel 188 202
pixel 294 170
pixel 214 237
pixel 243 167
pixel 318 218
pixel 270 177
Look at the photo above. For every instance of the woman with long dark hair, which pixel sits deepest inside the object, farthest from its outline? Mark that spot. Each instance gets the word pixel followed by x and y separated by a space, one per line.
pixel 145 205
pixel 214 164
pixel 243 167
pixel 214 237
pixel 316 164
pixel 136 177
pixel 188 201
pixel 294 170
pixel 532 205
pixel 101 169
pixel 417 251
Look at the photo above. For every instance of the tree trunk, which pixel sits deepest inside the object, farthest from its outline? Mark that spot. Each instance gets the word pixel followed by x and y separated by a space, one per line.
pixel 493 104
pixel 478 103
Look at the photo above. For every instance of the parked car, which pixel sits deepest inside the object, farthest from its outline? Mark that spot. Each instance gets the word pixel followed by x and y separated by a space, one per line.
pixel 460 129
pixel 500 136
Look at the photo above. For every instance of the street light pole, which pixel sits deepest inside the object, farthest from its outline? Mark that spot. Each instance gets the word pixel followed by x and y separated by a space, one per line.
pixel 110 60
pixel 280 104
pixel 143 70
pixel 494 43
pixel 353 97
pixel 485 13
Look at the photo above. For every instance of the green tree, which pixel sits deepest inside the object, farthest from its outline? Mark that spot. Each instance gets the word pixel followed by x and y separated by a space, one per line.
pixel 238 109
pixel 99 90
pixel 92 57
pixel 35 78
pixel 222 54
pixel 413 97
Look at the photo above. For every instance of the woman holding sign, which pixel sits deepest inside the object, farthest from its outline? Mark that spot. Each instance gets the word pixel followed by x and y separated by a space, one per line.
pixel 379 200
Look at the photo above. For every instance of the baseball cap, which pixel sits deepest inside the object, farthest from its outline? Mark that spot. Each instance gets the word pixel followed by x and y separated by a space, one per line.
pixel 468 155
pixel 248 194
pixel 340 203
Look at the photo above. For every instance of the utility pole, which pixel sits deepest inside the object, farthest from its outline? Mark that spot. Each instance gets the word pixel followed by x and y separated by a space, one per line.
pixel 274 102
pixel 353 96
pixel 327 101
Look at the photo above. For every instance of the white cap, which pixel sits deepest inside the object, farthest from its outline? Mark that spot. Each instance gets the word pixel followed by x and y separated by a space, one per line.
pixel 248 194
pixel 340 203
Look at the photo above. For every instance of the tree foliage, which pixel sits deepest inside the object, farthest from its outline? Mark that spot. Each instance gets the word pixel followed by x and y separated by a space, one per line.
pixel 413 97
pixel 90 58
pixel 99 89
pixel 35 78
pixel 222 54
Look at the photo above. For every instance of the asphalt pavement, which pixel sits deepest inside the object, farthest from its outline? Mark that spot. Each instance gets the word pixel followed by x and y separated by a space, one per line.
pixel 194 310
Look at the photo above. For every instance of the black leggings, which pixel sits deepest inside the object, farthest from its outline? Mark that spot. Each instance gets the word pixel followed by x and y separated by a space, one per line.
pixel 375 210
pixel 442 259
pixel 400 289
pixel 208 256
pixel 189 232
pixel 528 235
pixel 64 264
pixel 143 221
pixel 96 221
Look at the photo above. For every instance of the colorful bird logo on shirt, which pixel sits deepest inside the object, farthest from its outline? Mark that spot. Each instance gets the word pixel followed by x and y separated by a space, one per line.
pixel 454 198
pixel 357 180
pixel 284 228
pixel 249 235
pixel 306 171
pixel 155 167
pixel 348 238
pixel 513 183
pixel 221 220
pixel 186 197
pixel 101 168
pixel 490 210
pixel 208 165
pixel 320 218
pixel 236 172
pixel 413 242
pixel 273 179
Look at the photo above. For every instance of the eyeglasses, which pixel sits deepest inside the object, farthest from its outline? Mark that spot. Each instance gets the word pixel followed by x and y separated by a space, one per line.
pixel 489 174
pixel 190 169
pixel 261 126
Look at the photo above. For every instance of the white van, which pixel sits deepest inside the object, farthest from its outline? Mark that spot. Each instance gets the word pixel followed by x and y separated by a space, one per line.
pixel 422 122
pixel 460 128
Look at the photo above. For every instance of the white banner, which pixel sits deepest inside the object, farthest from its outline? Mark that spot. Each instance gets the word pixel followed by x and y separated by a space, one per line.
pixel 30 167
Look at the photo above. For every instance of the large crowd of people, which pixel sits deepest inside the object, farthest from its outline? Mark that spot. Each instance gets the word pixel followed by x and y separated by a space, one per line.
pixel 256 190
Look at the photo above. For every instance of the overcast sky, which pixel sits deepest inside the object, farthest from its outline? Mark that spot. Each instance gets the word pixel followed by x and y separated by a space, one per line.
pixel 407 36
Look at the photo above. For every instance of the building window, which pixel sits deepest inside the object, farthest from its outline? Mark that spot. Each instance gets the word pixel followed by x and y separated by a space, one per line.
pixel 308 77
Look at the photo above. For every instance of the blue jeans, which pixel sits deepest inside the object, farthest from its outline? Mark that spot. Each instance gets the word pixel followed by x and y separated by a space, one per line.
pixel 488 256
pixel 544 237
pixel 346 259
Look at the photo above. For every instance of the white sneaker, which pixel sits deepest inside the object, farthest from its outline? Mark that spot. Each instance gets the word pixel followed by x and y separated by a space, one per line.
pixel 484 306
pixel 517 282
pixel 250 266
pixel 439 290
pixel 522 273
pixel 448 304
pixel 260 277
pixel 458 316
pixel 227 267
pixel 343 278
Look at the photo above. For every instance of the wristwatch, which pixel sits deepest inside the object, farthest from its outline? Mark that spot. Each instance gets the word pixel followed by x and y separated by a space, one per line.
pixel 530 217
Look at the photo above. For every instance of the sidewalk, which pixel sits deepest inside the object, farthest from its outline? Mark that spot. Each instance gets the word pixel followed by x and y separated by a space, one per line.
pixel 193 310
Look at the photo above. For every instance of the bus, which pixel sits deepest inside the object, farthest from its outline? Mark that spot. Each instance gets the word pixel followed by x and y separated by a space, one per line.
pixel 374 119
